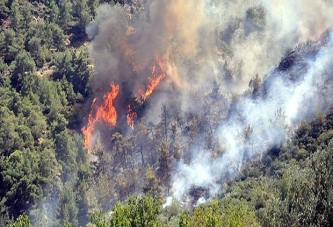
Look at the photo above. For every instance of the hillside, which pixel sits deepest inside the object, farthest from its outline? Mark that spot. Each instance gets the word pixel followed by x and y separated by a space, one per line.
pixel 165 113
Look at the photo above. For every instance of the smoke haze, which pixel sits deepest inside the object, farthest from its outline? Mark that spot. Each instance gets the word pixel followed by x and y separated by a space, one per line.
pixel 266 122
pixel 224 42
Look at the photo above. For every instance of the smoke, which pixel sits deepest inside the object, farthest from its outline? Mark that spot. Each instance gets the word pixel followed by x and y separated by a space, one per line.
pixel 226 42
pixel 202 41
pixel 258 124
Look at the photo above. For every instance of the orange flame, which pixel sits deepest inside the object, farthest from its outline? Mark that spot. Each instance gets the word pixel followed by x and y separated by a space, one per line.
pixel 131 116
pixel 158 74
pixel 315 36
pixel 106 112
pixel 87 130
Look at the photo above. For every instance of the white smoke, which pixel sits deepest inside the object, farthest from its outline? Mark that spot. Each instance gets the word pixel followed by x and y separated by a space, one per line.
pixel 271 120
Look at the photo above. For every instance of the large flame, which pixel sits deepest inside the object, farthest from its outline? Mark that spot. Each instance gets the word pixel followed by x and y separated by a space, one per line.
pixel 157 75
pixel 107 113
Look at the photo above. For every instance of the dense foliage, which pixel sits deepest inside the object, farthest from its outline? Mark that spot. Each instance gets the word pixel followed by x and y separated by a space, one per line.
pixel 47 178
pixel 44 79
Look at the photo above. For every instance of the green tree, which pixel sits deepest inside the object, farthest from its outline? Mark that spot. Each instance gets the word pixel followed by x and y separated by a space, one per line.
pixel 204 215
pixel 86 202
pixel 23 65
pixel 4 74
pixel 65 16
pixel 15 15
pixel 37 29
pixel 67 209
pixel 50 171
pixel 164 169
pixel 63 62
pixel 82 12
pixel 306 191
pixel 37 123
pixel 54 13
pixel 11 43
pixel 26 14
pixel 51 98
pixel 93 4
pixel 236 213
pixel 82 72
pixel 56 36
pixel 8 135
pixel 74 65
pixel 227 212
pixel 22 221
pixel 66 155
pixel 151 183
pixel 20 184
pixel 99 220
pixel 137 211
pixel 37 51
pixel 4 11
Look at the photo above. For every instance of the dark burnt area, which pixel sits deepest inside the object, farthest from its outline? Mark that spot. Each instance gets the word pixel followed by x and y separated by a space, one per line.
pixel 303 51
pixel 288 61
pixel 198 192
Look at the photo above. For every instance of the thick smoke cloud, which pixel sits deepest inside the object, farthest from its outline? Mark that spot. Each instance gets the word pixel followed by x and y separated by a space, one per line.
pixel 227 42
pixel 201 41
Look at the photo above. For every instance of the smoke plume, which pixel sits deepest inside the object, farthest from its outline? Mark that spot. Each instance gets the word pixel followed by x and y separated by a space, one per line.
pixel 228 43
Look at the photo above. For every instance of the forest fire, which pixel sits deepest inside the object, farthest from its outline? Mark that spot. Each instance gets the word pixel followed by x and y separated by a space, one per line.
pixel 131 116
pixel 107 113
pixel 157 75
